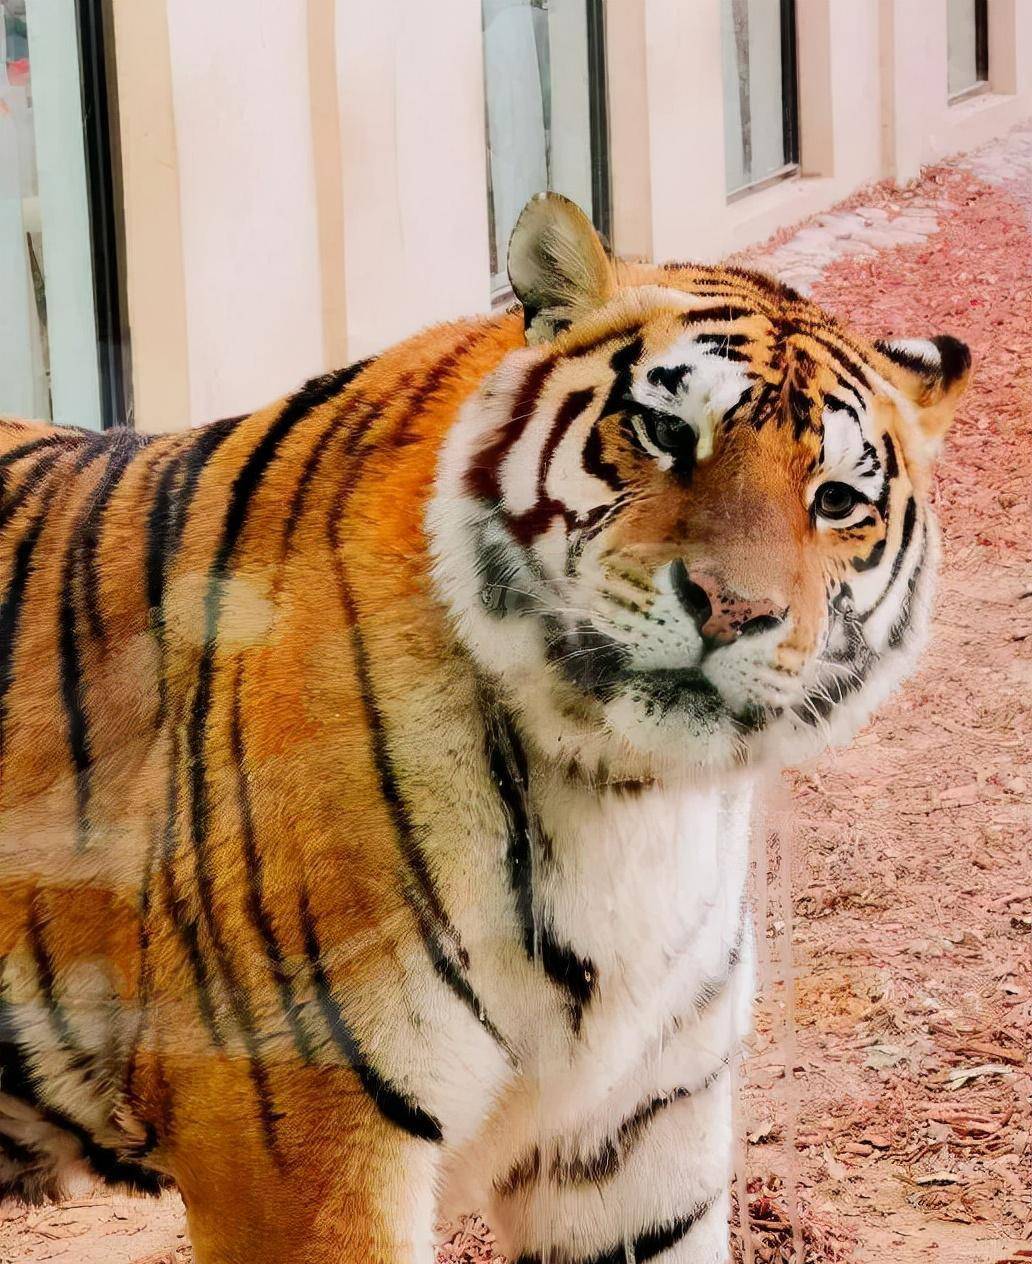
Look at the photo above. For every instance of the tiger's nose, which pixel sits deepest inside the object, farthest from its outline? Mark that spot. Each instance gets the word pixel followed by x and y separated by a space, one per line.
pixel 720 615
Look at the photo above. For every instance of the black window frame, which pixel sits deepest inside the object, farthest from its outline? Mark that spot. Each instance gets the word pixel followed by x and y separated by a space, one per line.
pixel 981 84
pixel 982 40
pixel 104 194
pixel 598 97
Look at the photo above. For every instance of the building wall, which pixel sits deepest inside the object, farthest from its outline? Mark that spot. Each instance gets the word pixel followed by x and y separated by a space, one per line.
pixel 305 183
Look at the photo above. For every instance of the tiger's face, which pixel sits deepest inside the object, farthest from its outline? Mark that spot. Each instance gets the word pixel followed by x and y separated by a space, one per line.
pixel 689 525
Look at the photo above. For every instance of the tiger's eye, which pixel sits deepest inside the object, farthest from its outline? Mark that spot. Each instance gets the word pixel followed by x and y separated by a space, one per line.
pixel 836 500
pixel 672 434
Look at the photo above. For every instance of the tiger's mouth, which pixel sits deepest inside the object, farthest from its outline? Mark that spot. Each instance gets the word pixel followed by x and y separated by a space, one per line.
pixel 601 667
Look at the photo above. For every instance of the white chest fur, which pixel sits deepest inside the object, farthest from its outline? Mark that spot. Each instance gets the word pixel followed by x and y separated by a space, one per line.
pixel 649 887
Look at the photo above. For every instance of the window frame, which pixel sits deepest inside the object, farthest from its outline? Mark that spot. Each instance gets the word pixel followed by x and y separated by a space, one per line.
pixel 598 140
pixel 98 86
pixel 982 83
pixel 789 109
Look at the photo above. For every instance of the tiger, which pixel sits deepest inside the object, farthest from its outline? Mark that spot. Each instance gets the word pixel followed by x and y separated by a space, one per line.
pixel 377 770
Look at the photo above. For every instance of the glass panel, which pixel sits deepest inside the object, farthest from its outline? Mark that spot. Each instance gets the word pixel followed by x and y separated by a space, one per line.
pixel 965 71
pixel 539 98
pixel 48 341
pixel 754 91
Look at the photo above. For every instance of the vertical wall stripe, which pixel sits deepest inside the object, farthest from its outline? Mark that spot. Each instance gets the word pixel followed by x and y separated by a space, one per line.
pixel 155 276
pixel 324 105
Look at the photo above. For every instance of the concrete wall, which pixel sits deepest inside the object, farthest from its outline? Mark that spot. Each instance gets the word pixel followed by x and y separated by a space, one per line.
pixel 305 183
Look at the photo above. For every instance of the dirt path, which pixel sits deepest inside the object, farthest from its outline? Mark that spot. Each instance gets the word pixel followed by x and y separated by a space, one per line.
pixel 897 1103
pixel 908 1107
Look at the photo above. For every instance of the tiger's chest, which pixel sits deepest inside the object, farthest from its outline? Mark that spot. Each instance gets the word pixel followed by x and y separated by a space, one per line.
pixel 638 924
pixel 648 889
pixel 595 921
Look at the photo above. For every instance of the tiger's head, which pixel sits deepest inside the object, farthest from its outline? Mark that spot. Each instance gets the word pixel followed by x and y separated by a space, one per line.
pixel 688 526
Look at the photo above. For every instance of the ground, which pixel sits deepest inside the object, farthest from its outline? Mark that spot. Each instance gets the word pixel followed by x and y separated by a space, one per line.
pixel 886 1094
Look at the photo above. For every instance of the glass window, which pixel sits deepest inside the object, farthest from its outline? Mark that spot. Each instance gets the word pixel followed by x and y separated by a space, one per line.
pixel 544 74
pixel 969 45
pixel 49 363
pixel 760 115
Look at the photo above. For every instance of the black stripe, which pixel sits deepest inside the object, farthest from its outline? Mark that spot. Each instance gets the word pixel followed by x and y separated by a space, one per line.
pixel 22 1156
pixel 523 1172
pixel 204 881
pixel 308 471
pixel 124 448
pixel 415 860
pixel 40 468
pixel 62 439
pixel 633 330
pixel 421 892
pixel 166 521
pixel 170 507
pixel 873 559
pixel 44 965
pixel 182 919
pixel 15 1075
pixel 14 597
pixel 73 691
pixel 507 765
pixel 605 1163
pixel 392 1104
pixel 482 476
pixel 256 905
pixel 731 414
pixel 20 1082
pixel 646 1246
pixel 726 345
pixel 455 980
pixel 242 491
pixel 595 463
pixel 855 368
pixel 79 565
pixel 411 849
pixel 10 615
pixel 899 628
pixel 622 363
pixel 722 314
pixel 837 405
pixel 909 521
pixel 143 943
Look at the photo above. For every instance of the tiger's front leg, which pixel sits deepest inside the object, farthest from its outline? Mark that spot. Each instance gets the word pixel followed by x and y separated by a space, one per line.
pixel 639 1183
pixel 644 1173
pixel 335 1181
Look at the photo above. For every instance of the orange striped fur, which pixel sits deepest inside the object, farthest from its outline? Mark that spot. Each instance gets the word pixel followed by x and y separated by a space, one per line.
pixel 238 748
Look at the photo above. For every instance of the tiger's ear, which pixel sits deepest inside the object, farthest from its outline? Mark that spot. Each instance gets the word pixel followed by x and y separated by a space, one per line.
pixel 934 373
pixel 557 265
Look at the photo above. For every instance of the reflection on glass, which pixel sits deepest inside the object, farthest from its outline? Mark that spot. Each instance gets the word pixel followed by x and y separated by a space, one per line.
pixel 539 102
pixel 967 34
pixel 48 343
pixel 755 144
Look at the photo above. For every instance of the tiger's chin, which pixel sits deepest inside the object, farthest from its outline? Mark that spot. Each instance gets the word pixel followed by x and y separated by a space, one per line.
pixel 674 725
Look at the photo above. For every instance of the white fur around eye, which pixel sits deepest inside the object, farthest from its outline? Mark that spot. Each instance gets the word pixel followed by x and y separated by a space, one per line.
pixel 710 386
pixel 850 457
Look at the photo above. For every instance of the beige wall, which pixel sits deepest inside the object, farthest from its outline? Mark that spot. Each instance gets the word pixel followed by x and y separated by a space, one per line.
pixel 154 247
pixel 413 162
pixel 305 182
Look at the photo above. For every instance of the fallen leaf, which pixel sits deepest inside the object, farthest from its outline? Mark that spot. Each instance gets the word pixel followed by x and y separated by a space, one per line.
pixel 882 1057
pixel 962 1075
